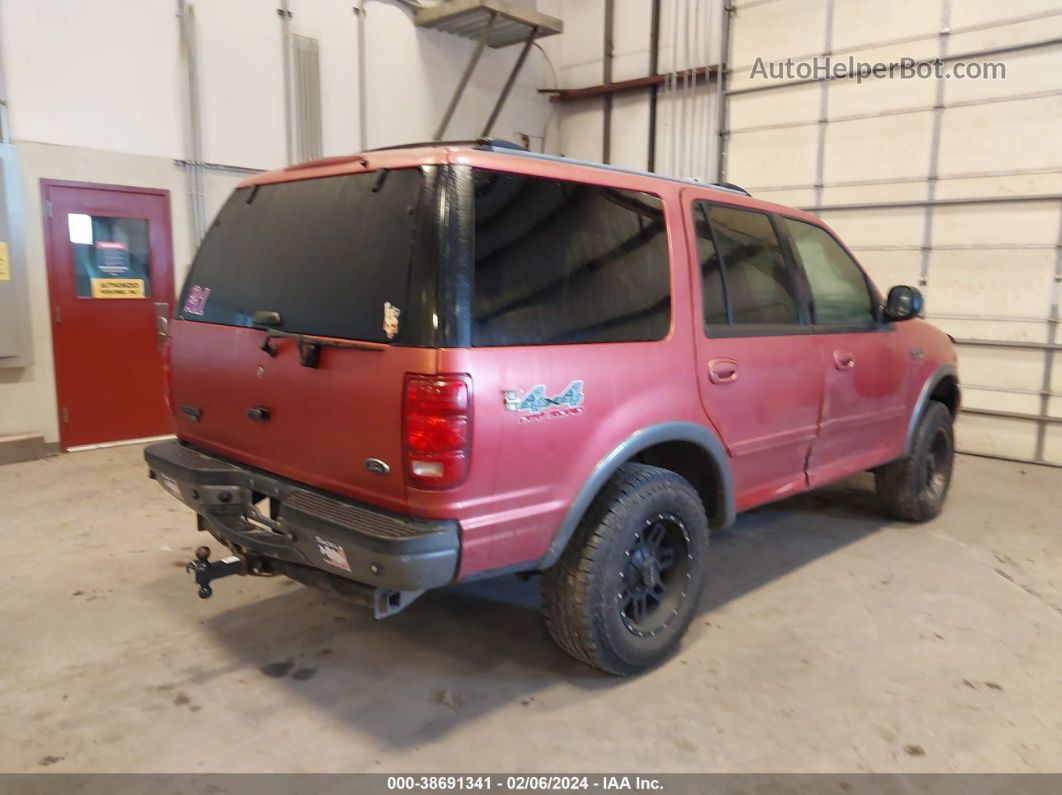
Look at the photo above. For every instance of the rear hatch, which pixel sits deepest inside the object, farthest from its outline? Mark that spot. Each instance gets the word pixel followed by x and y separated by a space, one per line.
pixel 306 305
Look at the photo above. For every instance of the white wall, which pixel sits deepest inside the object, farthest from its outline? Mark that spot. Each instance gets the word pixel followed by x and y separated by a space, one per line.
pixel 99 75
pixel 106 75
pixel 96 92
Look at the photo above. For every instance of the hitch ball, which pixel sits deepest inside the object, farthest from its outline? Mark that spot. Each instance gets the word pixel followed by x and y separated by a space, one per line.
pixel 204 570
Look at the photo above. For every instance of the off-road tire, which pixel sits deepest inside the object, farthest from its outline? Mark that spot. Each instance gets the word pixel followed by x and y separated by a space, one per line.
pixel 913 489
pixel 582 592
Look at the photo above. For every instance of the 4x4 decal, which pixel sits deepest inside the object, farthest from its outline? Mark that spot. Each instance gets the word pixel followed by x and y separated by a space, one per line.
pixel 536 402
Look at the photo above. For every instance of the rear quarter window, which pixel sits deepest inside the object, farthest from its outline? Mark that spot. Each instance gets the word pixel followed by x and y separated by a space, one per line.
pixel 560 262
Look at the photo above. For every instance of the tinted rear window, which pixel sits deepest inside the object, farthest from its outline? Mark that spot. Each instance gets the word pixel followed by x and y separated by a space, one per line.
pixel 327 254
pixel 566 262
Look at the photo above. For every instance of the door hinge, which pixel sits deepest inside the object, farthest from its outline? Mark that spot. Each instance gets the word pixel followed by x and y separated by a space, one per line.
pixel 66 414
pixel 58 314
pixel 48 207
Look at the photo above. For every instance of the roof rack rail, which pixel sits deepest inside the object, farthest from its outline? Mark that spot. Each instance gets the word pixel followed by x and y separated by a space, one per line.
pixel 730 186
pixel 500 143
pixel 481 143
pixel 417 144
pixel 727 186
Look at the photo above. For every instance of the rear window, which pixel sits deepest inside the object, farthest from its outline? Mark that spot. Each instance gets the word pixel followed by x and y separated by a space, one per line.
pixel 566 262
pixel 333 256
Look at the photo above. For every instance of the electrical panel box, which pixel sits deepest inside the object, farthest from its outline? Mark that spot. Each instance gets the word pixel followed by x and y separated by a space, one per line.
pixel 15 335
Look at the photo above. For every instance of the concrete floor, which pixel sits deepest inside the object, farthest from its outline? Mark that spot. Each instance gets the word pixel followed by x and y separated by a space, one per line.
pixel 831 640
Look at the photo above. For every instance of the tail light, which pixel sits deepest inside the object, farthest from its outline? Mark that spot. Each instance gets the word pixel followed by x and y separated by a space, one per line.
pixel 437 423
pixel 167 376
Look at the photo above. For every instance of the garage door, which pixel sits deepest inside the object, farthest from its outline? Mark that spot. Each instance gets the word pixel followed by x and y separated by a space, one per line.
pixel 951 183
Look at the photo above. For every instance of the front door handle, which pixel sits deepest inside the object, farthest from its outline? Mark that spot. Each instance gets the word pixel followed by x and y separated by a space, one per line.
pixel 843 360
pixel 722 371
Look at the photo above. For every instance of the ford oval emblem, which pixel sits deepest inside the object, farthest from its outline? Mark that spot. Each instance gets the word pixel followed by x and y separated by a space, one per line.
pixel 376 466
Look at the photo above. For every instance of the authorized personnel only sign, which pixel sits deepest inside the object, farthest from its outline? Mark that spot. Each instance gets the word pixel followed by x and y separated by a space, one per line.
pixel 117 288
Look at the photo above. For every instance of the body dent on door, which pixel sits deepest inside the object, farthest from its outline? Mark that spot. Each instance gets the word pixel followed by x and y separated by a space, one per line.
pixel 864 402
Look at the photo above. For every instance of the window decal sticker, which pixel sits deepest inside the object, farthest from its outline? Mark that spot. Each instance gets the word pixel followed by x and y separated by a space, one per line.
pixel 112 259
pixel 196 300
pixel 390 323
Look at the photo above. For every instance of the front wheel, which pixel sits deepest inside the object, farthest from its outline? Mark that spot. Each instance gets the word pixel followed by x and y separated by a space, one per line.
pixel 628 584
pixel 913 488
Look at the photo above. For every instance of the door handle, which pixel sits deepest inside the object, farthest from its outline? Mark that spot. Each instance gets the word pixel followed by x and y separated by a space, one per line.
pixel 258 414
pixel 162 323
pixel 722 371
pixel 843 360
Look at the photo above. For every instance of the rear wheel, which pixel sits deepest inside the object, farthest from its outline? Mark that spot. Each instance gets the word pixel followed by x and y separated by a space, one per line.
pixel 913 488
pixel 627 586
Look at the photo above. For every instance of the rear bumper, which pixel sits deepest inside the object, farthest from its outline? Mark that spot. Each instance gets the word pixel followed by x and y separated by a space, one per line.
pixel 367 545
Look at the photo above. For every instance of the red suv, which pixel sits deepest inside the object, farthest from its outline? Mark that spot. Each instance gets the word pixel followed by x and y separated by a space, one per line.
pixel 430 364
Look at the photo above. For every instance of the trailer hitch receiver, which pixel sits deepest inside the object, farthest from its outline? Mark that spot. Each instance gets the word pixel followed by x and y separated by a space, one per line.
pixel 205 570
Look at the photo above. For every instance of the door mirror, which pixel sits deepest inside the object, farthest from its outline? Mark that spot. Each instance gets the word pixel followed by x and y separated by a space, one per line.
pixel 903 303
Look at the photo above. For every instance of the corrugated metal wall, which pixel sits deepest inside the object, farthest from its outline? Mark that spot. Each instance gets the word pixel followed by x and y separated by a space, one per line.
pixel 954 185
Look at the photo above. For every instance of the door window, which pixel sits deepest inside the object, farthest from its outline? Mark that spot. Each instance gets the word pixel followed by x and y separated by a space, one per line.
pixel 744 276
pixel 111 256
pixel 713 290
pixel 838 287
pixel 565 262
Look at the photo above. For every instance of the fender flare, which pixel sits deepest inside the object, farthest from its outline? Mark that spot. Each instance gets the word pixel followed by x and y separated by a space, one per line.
pixel 930 384
pixel 641 440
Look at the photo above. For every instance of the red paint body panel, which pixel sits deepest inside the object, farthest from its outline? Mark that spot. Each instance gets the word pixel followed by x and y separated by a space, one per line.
pixel 324 422
pixel 790 420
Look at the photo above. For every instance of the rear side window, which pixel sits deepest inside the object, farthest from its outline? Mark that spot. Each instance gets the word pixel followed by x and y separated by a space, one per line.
pixel 564 262
pixel 744 276
pixel 713 290
pixel 327 254
pixel 838 287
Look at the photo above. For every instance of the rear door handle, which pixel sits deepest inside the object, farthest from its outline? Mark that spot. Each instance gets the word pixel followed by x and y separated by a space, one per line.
pixel 258 414
pixel 843 360
pixel 722 371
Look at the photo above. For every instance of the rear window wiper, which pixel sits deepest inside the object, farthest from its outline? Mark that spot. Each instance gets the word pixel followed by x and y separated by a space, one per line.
pixel 268 317
pixel 309 344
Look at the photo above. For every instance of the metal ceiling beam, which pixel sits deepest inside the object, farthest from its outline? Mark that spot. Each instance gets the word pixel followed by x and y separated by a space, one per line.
pixel 465 76
pixel 509 83
pixel 495 24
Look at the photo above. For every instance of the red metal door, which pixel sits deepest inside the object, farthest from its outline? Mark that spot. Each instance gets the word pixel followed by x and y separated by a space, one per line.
pixel 109 252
